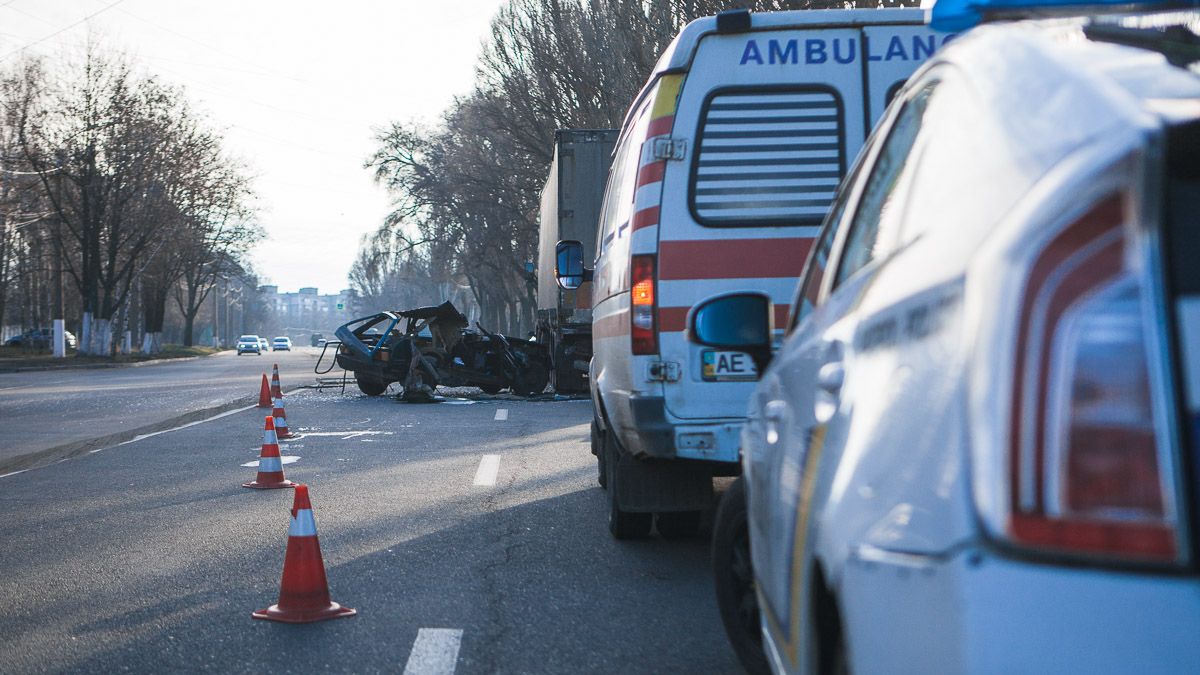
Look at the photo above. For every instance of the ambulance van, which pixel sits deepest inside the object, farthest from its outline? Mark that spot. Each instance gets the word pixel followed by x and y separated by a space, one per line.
pixel 724 169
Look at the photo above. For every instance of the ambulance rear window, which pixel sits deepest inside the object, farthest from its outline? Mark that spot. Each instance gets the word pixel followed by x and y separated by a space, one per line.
pixel 767 157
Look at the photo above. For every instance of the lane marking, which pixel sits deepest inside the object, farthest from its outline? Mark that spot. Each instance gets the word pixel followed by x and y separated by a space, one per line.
pixel 346 435
pixel 489 466
pixel 502 414
pixel 12 473
pixel 434 652
pixel 143 437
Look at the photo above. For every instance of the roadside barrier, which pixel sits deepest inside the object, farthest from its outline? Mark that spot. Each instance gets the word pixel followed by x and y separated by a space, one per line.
pixel 280 416
pixel 270 464
pixel 276 391
pixel 304 590
pixel 264 393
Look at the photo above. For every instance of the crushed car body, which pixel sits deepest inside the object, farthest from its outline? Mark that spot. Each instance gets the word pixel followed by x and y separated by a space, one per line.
pixel 425 347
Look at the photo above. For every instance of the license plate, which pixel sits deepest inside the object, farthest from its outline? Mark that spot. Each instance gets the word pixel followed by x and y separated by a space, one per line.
pixel 721 366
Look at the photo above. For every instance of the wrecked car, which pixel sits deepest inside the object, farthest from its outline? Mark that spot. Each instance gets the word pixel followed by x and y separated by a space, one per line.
pixel 429 346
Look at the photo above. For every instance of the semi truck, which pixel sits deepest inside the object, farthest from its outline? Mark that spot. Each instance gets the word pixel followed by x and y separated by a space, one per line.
pixel 570 210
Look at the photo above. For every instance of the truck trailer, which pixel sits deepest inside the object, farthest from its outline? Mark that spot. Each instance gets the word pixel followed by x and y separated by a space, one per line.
pixel 570 210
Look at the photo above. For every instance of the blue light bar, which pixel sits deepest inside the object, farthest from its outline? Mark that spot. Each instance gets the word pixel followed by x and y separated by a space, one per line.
pixel 959 15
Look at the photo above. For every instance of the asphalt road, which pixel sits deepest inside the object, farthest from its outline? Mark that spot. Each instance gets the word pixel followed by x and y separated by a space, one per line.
pixel 150 556
pixel 47 415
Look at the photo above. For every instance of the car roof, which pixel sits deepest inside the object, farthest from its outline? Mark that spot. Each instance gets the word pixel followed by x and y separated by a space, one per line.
pixel 1051 85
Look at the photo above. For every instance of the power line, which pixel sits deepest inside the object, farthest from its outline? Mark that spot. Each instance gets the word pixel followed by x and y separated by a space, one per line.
pixel 63 30
pixel 243 99
pixel 189 38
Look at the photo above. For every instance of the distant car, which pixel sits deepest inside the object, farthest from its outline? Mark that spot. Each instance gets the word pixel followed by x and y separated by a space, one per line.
pixel 40 338
pixel 975 450
pixel 281 344
pixel 263 344
pixel 318 340
pixel 250 344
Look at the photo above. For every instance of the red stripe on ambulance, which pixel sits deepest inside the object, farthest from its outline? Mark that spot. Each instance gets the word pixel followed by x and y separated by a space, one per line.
pixel 732 258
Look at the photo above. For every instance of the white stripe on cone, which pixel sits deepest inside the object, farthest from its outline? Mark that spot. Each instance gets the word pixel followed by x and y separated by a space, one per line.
pixel 270 437
pixel 270 464
pixel 303 524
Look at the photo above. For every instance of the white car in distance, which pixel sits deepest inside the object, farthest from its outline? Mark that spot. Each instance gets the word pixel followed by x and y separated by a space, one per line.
pixel 249 344
pixel 281 344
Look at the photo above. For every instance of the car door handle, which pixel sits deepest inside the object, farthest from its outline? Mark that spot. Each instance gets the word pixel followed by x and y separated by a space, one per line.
pixel 830 378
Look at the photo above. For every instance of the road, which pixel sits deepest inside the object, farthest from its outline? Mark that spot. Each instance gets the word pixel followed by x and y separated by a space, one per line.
pixel 150 556
pixel 47 415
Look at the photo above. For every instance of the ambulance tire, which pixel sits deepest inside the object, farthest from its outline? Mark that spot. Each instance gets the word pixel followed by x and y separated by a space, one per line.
pixel 622 524
pixel 733 575
pixel 598 451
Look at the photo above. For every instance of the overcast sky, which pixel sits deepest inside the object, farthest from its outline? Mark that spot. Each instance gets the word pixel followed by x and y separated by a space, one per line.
pixel 297 86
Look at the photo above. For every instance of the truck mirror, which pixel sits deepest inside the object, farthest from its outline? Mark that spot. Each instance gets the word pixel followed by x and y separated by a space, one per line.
pixel 568 265
pixel 740 321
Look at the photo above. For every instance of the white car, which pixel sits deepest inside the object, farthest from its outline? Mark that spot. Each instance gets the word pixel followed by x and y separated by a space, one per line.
pixel 249 344
pixel 723 170
pixel 976 449
pixel 281 344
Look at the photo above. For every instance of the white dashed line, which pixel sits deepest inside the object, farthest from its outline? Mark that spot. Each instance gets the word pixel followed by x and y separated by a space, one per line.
pixel 12 473
pixel 502 414
pixel 435 651
pixel 489 466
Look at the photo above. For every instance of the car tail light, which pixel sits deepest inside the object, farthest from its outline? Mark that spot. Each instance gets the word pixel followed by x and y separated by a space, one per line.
pixel 1087 434
pixel 643 305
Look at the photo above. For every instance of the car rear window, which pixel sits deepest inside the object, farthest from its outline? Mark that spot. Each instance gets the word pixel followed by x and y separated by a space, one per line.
pixel 767 157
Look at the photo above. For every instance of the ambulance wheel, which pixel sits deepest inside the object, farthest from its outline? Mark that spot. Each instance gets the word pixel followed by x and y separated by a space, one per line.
pixel 678 524
pixel 622 524
pixel 370 385
pixel 733 574
pixel 598 451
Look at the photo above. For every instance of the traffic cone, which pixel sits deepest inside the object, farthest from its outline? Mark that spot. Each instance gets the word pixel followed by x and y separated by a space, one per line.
pixel 270 465
pixel 276 392
pixel 264 393
pixel 304 590
pixel 281 426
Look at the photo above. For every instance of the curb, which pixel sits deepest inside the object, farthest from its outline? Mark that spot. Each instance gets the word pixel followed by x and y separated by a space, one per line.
pixel 42 458
pixel 97 366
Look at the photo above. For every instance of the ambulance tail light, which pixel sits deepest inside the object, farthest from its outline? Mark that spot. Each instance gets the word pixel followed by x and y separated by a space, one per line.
pixel 643 305
pixel 1091 473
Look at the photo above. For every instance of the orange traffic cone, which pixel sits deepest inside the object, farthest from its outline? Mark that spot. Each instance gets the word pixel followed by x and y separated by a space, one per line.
pixel 264 393
pixel 270 465
pixel 304 590
pixel 281 426
pixel 276 392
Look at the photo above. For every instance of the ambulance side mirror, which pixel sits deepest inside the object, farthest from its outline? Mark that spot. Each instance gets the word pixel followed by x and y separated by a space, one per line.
pixel 743 322
pixel 568 265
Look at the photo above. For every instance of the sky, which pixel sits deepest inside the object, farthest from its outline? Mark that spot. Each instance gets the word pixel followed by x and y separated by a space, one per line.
pixel 296 86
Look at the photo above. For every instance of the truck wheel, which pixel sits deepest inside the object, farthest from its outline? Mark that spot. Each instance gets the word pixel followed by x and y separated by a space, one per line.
pixel 678 524
pixel 622 524
pixel 369 385
pixel 734 577
pixel 598 451
pixel 532 380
